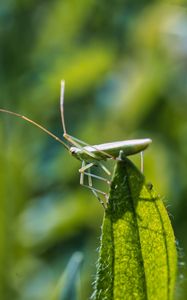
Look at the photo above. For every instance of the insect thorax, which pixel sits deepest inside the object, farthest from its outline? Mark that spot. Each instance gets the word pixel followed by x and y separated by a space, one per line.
pixel 85 155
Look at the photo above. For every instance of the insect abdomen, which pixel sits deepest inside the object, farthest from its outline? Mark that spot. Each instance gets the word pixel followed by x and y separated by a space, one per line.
pixel 128 147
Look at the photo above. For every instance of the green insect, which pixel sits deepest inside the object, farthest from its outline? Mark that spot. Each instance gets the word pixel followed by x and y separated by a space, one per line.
pixel 92 155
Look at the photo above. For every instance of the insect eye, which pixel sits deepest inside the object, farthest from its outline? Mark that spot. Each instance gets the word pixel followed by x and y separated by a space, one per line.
pixel 73 151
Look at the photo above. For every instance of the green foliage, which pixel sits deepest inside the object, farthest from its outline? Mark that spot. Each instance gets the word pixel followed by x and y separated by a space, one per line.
pixel 137 255
pixel 124 63
pixel 66 287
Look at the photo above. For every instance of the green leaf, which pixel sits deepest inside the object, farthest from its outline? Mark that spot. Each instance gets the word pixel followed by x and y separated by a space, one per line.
pixel 137 258
pixel 66 288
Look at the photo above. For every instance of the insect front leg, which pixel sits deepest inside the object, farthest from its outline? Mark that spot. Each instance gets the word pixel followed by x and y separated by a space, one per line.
pixel 85 167
pixel 82 170
pixel 89 178
pixel 82 173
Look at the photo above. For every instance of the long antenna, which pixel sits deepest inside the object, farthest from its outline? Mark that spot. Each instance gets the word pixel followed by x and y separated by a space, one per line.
pixel 37 125
pixel 62 105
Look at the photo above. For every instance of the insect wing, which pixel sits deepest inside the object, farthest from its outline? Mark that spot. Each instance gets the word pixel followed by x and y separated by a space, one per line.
pixel 128 147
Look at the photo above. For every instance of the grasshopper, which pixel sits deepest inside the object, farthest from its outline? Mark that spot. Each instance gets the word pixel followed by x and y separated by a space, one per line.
pixel 92 155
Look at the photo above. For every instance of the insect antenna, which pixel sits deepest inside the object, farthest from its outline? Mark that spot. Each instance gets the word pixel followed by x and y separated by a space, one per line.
pixel 69 138
pixel 74 141
pixel 62 106
pixel 37 125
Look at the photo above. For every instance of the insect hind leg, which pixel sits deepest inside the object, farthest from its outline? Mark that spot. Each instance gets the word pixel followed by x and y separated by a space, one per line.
pixel 142 161
pixel 95 191
pixel 98 177
pixel 104 168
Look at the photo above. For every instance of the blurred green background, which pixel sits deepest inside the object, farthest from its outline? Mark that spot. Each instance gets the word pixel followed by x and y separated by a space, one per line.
pixel 125 66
